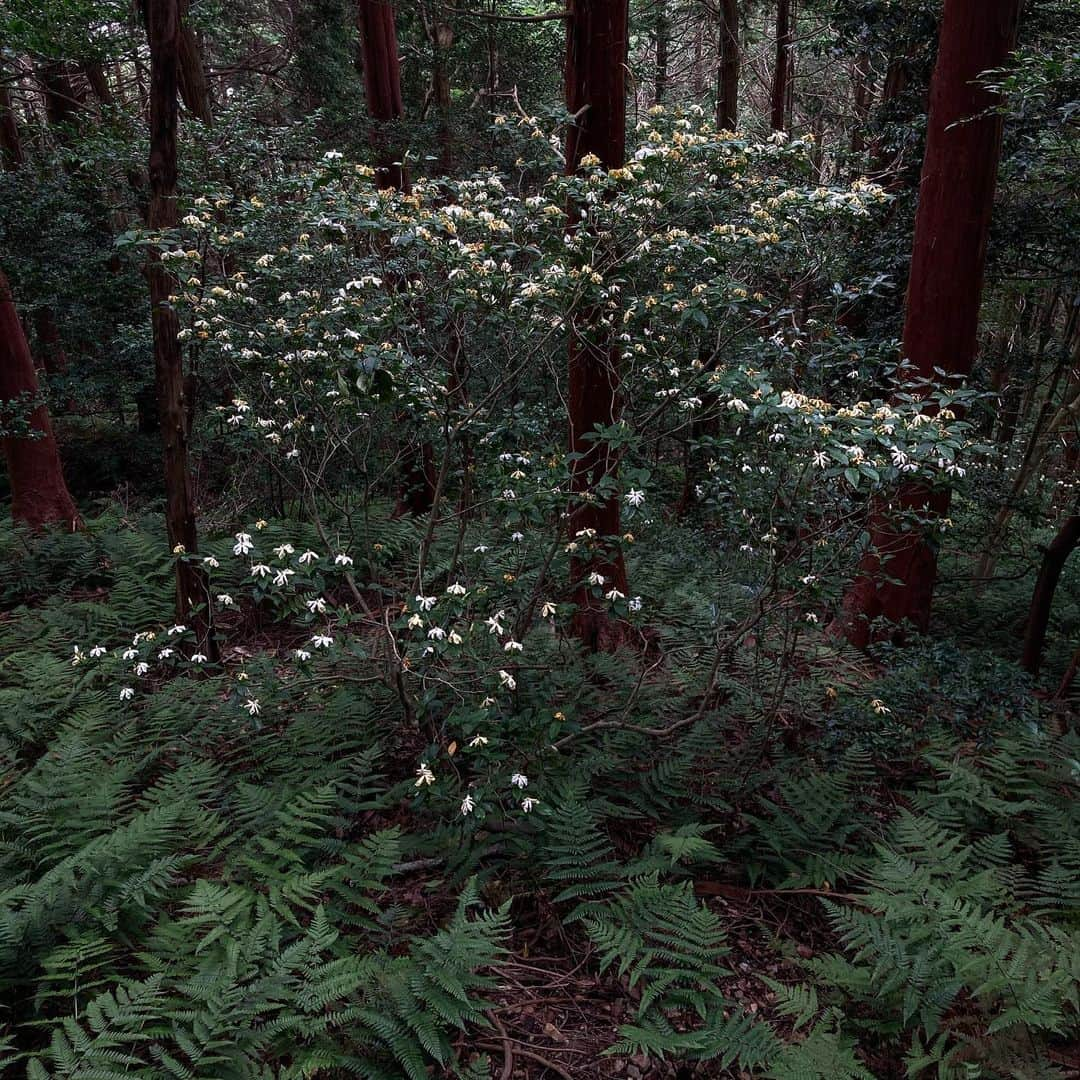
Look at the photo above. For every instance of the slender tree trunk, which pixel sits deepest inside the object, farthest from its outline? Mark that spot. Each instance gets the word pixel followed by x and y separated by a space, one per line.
pixel 785 42
pixel 1057 553
pixel 39 496
pixel 61 100
pixel 11 151
pixel 382 86
pixel 442 38
pixel 163 34
pixel 862 94
pixel 727 72
pixel 596 45
pixel 944 291
pixel 94 71
pixel 663 42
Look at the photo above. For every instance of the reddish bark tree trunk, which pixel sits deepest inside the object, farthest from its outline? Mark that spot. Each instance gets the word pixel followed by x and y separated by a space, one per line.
pixel 61 100
pixel 39 496
pixel 11 152
pixel 785 42
pixel 163 35
pixel 944 291
pixel 1042 599
pixel 663 42
pixel 727 73
pixel 382 85
pixel 191 74
pixel 596 44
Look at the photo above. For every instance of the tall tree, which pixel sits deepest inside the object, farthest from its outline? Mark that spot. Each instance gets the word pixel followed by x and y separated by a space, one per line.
pixel 781 80
pixel 663 47
pixel 39 496
pixel 191 73
pixel 382 85
pixel 727 70
pixel 1057 554
pixel 596 45
pixel 163 34
pixel 956 198
pixel 11 151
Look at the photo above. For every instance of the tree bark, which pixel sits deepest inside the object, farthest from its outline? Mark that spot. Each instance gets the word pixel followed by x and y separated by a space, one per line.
pixel 596 47
pixel 727 72
pixel 442 38
pixel 382 86
pixel 94 71
pixel 1042 599
pixel 61 100
pixel 663 42
pixel 11 151
pixel 163 34
pixel 191 73
pixel 39 496
pixel 785 42
pixel 952 225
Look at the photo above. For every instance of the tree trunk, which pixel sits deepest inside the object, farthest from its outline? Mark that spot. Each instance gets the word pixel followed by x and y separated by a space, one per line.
pixel 727 73
pixel 442 38
pixel 39 496
pixel 785 42
pixel 944 290
pixel 382 86
pixel 191 74
pixel 663 42
pixel 11 152
pixel 61 101
pixel 1058 551
pixel 596 44
pixel 163 34
pixel 861 93
pixel 94 71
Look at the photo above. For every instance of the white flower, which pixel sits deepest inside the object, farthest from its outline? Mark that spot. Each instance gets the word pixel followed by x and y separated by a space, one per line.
pixel 513 646
pixel 635 605
pixel 302 654
pixel 127 693
pixel 210 561
pixel 517 537
pixel 519 780
pixel 547 611
pixel 199 658
pixel 225 599
pixel 810 617
pixel 261 570
pixel 494 626
pixel 283 549
pixel 738 405
pixel 424 775
pixel 97 650
pixel 130 654
pixel 316 606
pixel 165 653
pixel 635 497
pixel 880 707
pixel 467 805
pixel 457 589
pixel 282 577
pixel 528 803
pixel 436 633
pixel 178 629
pixel 307 557
pixel 252 705
pixel 426 603
pixel 596 579
pixel 507 680
pixel 415 621
pixel 141 668
pixel 478 740
pixel 509 494
pixel 614 594
pixel 322 641
pixel 480 549
pixel 244 544
pixel 454 638
pixel 342 560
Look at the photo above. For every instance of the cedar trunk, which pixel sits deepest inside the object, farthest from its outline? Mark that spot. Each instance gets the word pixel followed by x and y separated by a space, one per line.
pixel 782 69
pixel 191 73
pixel 39 496
pixel 596 44
pixel 727 73
pixel 956 199
pixel 11 152
pixel 163 34
pixel 382 85
pixel 1057 554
